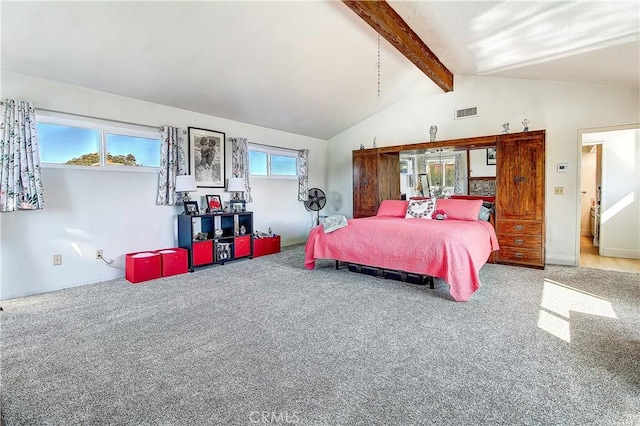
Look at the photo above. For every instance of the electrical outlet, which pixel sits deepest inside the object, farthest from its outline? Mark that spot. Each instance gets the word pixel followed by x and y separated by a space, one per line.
pixel 98 254
pixel 559 190
pixel 57 259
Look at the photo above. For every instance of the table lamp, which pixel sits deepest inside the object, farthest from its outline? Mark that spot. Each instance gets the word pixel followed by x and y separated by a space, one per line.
pixel 235 185
pixel 186 184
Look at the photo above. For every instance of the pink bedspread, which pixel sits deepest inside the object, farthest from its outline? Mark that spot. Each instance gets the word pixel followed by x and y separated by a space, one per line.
pixel 453 250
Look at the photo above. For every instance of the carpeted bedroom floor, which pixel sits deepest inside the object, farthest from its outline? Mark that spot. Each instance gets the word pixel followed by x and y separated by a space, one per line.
pixel 264 340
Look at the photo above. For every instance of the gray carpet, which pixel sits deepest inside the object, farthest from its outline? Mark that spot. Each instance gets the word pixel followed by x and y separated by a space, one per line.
pixel 265 340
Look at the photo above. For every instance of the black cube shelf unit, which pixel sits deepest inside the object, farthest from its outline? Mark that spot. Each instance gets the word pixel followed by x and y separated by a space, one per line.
pixel 197 233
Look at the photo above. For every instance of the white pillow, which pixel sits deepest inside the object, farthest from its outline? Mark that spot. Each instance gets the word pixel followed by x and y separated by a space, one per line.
pixel 421 208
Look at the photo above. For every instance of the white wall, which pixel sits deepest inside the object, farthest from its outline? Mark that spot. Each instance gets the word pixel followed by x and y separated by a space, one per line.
pixel 560 108
pixel 115 211
pixel 478 164
pixel 620 209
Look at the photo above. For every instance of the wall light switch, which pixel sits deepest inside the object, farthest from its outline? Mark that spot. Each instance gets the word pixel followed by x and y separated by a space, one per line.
pixel 559 190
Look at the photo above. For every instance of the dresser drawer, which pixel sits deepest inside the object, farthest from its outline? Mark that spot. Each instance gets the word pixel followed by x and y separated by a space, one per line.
pixel 520 227
pixel 519 256
pixel 517 242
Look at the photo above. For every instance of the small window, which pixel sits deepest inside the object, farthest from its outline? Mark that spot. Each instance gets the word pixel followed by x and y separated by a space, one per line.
pixel 71 141
pixel 267 162
pixel 68 145
pixel 258 163
pixel 133 151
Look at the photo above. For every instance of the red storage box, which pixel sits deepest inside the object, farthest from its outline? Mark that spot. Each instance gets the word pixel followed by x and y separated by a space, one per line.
pixel 142 266
pixel 174 261
pixel 243 246
pixel 202 252
pixel 264 246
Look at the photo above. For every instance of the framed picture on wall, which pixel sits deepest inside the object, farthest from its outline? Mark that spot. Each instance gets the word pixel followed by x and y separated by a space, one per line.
pixel 491 156
pixel 206 157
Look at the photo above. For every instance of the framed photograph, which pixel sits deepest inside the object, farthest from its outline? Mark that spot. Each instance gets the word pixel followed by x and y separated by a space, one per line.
pixel 206 157
pixel 214 204
pixel 237 206
pixel 491 156
pixel 191 207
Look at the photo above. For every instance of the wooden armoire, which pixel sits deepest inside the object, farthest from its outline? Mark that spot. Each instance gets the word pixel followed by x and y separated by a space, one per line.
pixel 520 183
pixel 520 226
pixel 376 177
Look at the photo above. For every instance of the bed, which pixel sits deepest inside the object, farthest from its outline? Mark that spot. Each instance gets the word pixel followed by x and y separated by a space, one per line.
pixel 403 237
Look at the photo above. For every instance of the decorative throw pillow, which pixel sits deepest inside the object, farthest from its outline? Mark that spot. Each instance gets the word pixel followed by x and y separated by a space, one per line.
pixel 484 214
pixel 421 208
pixel 393 208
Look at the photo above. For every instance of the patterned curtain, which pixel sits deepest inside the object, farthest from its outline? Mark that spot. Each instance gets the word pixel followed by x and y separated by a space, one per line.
pixel 240 164
pixel 172 164
pixel 457 186
pixel 20 178
pixel 303 175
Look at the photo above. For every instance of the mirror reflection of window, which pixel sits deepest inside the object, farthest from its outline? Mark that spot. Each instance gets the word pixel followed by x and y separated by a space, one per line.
pixel 452 172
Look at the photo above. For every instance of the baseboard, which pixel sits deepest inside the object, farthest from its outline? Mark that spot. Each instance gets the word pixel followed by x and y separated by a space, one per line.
pixel 560 260
pixel 625 253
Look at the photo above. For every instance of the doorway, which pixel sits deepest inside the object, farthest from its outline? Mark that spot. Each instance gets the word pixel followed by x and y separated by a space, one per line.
pixel 608 206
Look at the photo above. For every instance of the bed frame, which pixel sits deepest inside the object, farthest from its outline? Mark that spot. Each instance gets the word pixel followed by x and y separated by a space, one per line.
pixel 407 277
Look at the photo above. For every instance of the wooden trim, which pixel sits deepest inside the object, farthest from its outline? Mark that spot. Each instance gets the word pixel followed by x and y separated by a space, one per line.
pixel 386 21
pixel 458 144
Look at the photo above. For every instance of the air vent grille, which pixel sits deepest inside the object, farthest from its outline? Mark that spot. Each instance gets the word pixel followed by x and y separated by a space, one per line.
pixel 466 112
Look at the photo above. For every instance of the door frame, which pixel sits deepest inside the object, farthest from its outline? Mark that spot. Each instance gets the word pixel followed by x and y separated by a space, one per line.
pixel 581 133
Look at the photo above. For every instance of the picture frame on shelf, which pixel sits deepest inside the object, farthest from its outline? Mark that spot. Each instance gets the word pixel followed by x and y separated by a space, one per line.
pixel 237 206
pixel 214 203
pixel 491 156
pixel 191 207
pixel 206 157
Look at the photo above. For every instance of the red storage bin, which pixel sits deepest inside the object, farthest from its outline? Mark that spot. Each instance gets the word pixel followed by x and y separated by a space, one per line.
pixel 243 246
pixel 264 246
pixel 202 252
pixel 142 266
pixel 174 261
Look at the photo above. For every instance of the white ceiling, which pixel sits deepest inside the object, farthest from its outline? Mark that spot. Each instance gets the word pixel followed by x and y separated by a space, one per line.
pixel 309 67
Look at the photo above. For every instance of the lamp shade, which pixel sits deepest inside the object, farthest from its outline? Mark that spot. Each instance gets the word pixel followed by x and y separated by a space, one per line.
pixel 235 185
pixel 185 183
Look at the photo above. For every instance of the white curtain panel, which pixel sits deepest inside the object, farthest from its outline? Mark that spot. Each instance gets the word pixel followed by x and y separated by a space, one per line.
pixel 172 164
pixel 20 174
pixel 240 164
pixel 303 175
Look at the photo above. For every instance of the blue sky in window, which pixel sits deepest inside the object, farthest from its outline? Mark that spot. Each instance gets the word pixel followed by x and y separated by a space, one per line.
pixel 59 144
pixel 258 163
pixel 146 151
pixel 281 165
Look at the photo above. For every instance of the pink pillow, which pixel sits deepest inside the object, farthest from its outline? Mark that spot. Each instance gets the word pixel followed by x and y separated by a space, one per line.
pixel 459 209
pixel 393 208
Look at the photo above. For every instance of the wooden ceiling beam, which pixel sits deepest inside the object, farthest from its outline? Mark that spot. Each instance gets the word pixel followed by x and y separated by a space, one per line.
pixel 386 21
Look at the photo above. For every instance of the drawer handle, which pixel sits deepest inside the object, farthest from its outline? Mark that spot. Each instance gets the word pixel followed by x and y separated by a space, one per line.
pixel 518 255
pixel 519 227
pixel 519 241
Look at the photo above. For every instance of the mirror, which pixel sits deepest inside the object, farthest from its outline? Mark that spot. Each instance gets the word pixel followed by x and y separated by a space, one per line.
pixel 446 171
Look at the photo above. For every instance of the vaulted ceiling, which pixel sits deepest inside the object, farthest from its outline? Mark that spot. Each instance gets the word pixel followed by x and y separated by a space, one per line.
pixel 309 67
